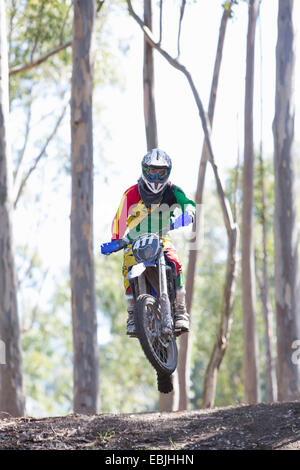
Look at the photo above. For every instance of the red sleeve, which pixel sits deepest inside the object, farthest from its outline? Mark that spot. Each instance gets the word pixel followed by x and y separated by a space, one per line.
pixel 119 225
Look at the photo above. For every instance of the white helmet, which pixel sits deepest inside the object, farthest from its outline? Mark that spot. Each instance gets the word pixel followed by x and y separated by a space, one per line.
pixel 156 168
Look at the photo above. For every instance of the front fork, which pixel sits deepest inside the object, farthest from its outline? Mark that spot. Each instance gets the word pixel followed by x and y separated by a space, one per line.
pixel 165 305
pixel 164 301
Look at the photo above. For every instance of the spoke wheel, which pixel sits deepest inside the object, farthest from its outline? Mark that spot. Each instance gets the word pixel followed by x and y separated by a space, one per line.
pixel 160 349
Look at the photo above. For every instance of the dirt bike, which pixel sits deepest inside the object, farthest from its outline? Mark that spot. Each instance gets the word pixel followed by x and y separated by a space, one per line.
pixel 153 283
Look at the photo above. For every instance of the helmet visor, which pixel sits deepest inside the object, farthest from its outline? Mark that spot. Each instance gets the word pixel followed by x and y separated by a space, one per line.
pixel 156 174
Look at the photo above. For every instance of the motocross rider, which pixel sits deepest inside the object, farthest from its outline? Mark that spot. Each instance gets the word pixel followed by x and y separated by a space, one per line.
pixel 137 210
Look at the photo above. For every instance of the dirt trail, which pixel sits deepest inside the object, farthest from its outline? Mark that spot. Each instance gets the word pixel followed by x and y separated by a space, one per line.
pixel 264 426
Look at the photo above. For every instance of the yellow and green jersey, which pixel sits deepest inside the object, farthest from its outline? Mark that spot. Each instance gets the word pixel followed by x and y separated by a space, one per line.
pixel 133 214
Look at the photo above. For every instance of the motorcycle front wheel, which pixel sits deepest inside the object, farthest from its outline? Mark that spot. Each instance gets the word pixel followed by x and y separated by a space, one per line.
pixel 160 351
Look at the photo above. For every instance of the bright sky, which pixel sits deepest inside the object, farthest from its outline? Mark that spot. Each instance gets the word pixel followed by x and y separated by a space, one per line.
pixel 179 127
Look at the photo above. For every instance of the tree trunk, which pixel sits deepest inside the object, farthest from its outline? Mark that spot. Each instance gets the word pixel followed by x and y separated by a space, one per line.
pixel 219 349
pixel 148 76
pixel 82 262
pixel 221 342
pixel 184 351
pixel 11 379
pixel 248 265
pixel 265 297
pixel 271 385
pixel 285 220
pixel 167 401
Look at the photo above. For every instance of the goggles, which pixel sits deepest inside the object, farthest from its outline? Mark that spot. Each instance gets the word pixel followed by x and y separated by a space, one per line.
pixel 159 174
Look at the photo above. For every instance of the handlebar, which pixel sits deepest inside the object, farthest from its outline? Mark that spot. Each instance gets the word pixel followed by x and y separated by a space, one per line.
pixel 182 220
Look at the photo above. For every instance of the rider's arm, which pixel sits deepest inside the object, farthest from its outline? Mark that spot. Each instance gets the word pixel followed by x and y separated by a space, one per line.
pixel 119 225
pixel 186 204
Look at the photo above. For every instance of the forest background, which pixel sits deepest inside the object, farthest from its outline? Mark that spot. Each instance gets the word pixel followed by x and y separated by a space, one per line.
pixel 40 126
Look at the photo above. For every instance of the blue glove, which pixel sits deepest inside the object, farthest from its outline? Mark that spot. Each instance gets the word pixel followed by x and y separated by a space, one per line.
pixel 182 220
pixel 115 245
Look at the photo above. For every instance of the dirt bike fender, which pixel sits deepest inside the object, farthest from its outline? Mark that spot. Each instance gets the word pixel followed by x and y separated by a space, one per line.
pixel 136 270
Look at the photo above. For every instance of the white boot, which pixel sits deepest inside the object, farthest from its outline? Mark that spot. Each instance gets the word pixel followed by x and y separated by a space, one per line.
pixel 182 319
pixel 130 330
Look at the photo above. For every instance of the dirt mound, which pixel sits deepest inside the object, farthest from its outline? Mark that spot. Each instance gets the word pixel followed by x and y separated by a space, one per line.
pixel 264 426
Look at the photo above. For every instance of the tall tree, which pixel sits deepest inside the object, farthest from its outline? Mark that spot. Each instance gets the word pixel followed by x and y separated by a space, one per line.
pixel 271 386
pixel 263 283
pixel 167 401
pixel 285 220
pixel 184 352
pixel 248 264
pixel 148 76
pixel 11 381
pixel 82 262
pixel 223 333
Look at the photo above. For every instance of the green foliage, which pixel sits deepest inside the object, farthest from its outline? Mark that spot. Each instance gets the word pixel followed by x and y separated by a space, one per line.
pixel 206 313
pixel 209 287
pixel 35 28
pixel 47 353
pixel 227 7
pixel 104 437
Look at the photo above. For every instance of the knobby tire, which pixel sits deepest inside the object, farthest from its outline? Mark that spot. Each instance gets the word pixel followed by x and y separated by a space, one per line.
pixel 167 363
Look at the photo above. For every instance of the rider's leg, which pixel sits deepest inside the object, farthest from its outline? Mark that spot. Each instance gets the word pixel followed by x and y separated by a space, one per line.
pixel 181 315
pixel 128 261
pixel 130 325
pixel 182 319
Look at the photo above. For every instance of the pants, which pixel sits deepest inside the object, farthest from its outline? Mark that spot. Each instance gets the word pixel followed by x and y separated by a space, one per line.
pixel 168 249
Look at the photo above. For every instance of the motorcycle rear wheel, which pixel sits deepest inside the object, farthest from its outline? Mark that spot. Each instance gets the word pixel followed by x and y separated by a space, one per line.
pixel 162 354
